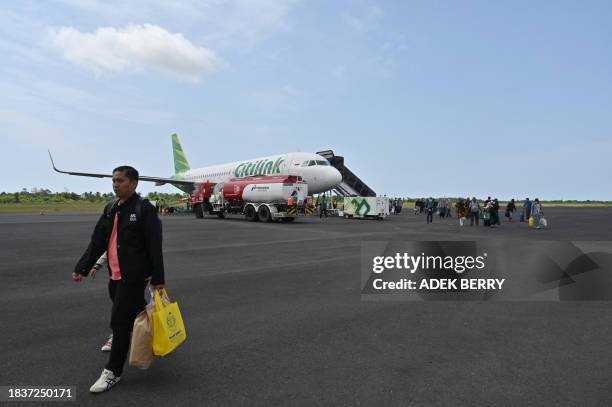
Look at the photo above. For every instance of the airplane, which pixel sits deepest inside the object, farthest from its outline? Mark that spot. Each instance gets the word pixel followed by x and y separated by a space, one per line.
pixel 314 169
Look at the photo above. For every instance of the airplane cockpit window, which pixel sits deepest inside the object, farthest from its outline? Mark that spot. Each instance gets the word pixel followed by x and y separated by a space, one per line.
pixel 305 163
pixel 312 163
pixel 321 162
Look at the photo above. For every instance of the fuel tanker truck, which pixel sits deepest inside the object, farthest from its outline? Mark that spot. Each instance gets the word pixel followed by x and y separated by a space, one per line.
pixel 258 198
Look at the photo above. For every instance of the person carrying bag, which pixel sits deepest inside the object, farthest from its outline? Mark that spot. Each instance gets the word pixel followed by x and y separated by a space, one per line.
pixel 168 328
pixel 141 347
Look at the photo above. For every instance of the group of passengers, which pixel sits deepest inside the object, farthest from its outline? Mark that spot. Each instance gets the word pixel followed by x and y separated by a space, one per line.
pixel 431 207
pixel 532 212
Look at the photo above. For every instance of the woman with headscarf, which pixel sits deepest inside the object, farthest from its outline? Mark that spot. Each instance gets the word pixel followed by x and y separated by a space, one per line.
pixel 537 212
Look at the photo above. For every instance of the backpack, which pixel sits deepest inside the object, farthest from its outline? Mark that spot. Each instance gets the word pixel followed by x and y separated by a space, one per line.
pixel 137 207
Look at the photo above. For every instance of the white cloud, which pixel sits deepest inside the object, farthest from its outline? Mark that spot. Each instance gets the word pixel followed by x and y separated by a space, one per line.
pixel 134 48
pixel 224 23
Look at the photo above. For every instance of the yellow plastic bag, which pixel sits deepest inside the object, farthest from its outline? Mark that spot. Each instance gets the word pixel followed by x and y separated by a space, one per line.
pixel 531 221
pixel 168 328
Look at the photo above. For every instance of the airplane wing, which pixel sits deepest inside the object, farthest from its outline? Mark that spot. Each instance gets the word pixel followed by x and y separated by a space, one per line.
pixel 158 181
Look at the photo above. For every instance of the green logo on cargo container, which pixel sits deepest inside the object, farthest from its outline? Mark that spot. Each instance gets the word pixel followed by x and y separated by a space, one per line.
pixel 360 204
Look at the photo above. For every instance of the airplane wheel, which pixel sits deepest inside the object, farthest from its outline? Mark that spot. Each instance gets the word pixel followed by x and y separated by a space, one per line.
pixel 199 213
pixel 221 215
pixel 264 214
pixel 250 214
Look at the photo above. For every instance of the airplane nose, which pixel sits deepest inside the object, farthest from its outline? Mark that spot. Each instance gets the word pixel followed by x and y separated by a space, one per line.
pixel 336 177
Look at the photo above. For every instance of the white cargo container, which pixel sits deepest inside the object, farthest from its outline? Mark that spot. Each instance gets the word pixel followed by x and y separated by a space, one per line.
pixel 366 207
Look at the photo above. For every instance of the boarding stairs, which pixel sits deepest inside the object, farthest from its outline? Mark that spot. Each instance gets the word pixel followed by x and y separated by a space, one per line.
pixel 351 184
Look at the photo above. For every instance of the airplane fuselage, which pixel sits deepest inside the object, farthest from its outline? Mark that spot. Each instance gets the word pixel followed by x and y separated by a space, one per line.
pixel 314 169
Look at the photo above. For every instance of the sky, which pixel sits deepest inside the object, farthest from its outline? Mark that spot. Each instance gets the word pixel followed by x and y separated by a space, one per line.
pixel 440 98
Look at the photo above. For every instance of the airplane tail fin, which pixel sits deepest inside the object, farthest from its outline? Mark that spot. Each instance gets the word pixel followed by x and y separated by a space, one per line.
pixel 180 160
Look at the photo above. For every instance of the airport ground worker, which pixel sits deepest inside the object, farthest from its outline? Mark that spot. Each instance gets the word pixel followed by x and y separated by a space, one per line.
pixel 323 207
pixel 130 231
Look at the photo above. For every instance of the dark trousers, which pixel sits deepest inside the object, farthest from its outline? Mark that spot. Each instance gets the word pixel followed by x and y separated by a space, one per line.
pixel 474 215
pixel 429 215
pixel 323 212
pixel 128 302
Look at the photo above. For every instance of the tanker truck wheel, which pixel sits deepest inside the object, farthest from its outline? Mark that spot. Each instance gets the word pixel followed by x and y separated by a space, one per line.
pixel 264 214
pixel 199 213
pixel 250 214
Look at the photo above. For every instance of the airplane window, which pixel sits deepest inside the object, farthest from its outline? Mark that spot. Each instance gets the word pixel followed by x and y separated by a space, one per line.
pixel 305 163
pixel 319 162
pixel 312 163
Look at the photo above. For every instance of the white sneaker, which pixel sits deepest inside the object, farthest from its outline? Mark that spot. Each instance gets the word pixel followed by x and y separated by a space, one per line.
pixel 108 344
pixel 105 382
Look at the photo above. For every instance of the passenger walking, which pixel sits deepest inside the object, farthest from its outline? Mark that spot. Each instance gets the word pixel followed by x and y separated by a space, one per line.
pixel 462 210
pixel 495 213
pixel 442 208
pixel 419 204
pixel 130 231
pixel 103 261
pixel 510 208
pixel 486 212
pixel 526 210
pixel 474 211
pixel 537 212
pixel 430 207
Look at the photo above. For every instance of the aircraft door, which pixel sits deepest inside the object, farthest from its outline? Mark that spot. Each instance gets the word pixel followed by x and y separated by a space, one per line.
pixel 293 166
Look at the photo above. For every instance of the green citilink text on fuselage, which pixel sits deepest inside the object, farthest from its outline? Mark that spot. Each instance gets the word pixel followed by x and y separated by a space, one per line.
pixel 259 167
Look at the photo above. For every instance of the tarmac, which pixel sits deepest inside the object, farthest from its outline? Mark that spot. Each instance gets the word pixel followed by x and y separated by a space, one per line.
pixel 274 316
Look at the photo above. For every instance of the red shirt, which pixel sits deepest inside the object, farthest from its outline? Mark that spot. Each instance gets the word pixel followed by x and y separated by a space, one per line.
pixel 113 257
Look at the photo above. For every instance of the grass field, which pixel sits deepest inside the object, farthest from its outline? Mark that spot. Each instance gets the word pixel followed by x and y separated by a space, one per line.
pixel 36 207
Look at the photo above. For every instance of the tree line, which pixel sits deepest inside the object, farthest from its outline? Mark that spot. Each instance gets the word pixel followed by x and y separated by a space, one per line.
pixel 38 195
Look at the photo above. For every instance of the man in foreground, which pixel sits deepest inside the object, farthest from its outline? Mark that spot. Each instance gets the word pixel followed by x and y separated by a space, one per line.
pixel 130 231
